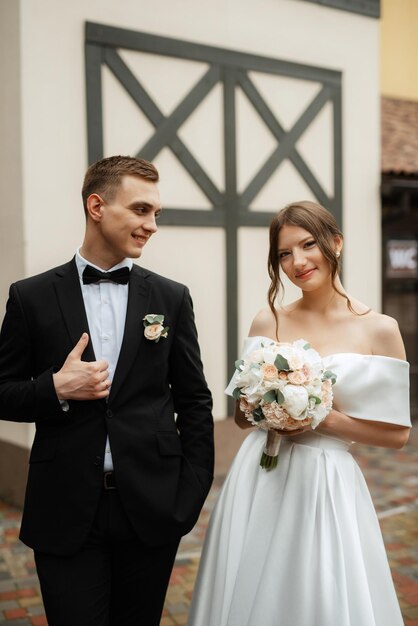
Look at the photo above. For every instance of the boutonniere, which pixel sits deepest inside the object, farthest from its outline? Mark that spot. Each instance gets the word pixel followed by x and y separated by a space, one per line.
pixel 154 327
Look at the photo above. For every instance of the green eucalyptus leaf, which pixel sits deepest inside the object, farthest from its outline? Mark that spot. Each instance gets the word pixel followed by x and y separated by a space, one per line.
pixel 331 376
pixel 281 363
pixel 307 346
pixel 317 400
pixel 238 364
pixel 269 397
pixel 279 397
pixel 236 393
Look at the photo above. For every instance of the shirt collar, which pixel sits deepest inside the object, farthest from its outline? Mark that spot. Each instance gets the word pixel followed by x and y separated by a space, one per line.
pixel 81 263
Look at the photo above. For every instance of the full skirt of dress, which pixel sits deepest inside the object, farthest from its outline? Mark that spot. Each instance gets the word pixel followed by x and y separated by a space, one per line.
pixel 296 546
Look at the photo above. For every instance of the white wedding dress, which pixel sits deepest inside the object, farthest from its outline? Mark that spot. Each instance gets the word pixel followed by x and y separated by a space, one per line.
pixel 301 545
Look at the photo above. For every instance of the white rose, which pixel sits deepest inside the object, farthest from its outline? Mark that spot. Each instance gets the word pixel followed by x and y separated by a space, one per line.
pixel 295 400
pixel 256 356
pixel 153 331
pixel 312 357
pixel 300 344
pixel 319 414
pixel 269 355
pixel 248 377
pixel 297 378
pixel 296 361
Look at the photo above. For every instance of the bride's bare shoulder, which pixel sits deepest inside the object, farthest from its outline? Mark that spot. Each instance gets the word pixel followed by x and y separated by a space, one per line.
pixel 385 336
pixel 267 324
pixel 263 324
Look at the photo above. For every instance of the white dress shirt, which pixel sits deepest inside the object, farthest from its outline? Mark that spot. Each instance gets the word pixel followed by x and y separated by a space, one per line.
pixel 105 303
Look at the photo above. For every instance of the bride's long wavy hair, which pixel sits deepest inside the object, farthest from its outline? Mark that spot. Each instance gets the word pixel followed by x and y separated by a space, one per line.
pixel 323 227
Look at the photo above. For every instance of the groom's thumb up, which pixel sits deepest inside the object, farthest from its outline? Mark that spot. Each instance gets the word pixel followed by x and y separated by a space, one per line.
pixel 77 352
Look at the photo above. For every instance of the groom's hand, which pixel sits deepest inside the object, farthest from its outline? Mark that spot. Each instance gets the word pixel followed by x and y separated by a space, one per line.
pixel 81 380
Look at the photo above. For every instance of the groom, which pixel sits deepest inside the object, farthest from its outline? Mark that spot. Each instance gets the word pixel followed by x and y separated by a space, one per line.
pixel 103 356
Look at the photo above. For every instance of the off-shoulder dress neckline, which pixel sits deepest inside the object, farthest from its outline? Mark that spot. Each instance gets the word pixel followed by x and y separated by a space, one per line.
pixel 335 354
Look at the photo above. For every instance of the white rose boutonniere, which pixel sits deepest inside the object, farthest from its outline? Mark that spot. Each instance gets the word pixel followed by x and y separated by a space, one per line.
pixel 154 327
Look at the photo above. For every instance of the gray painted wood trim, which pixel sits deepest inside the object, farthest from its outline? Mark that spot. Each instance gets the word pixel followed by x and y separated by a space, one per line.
pixel 93 60
pixel 369 8
pixel 101 34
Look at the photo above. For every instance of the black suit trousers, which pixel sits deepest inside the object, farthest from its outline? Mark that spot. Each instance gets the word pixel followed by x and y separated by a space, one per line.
pixel 113 580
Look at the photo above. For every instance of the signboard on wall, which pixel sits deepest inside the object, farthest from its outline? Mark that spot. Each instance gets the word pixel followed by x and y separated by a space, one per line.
pixel 402 258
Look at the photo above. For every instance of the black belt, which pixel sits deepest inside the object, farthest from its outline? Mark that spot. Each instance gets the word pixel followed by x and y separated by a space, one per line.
pixel 109 481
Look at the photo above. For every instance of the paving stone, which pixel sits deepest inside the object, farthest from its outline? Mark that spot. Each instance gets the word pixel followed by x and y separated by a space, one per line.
pixel 8 604
pixel 7 585
pixel 39 620
pixel 30 602
pixel 34 611
pixel 14 613
pixel 24 583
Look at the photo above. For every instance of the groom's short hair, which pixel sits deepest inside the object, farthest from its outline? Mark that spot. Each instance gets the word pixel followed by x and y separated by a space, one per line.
pixel 105 176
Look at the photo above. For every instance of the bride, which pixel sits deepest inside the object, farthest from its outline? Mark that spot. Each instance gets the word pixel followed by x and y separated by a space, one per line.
pixel 300 545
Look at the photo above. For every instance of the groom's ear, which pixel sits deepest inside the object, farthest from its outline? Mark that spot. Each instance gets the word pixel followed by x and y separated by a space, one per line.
pixel 94 204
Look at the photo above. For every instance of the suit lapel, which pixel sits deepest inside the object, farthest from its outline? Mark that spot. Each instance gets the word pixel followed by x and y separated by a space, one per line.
pixel 138 303
pixel 71 303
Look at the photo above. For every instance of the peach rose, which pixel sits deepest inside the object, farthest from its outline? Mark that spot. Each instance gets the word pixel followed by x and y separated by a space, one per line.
pixel 269 372
pixel 297 378
pixel 307 371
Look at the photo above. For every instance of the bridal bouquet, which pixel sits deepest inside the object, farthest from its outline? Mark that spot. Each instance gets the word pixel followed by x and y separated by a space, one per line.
pixel 283 386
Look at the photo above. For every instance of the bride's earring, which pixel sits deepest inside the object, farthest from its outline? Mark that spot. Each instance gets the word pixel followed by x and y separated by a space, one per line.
pixel 338 254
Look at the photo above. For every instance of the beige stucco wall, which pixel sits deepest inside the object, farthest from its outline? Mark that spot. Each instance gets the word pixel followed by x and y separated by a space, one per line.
pixel 53 144
pixel 12 244
pixel 11 193
pixel 399 49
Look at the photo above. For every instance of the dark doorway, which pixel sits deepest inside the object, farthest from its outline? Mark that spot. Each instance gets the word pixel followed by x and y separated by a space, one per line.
pixel 400 267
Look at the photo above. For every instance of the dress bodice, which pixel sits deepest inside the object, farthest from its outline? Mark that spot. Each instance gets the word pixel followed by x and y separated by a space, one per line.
pixel 371 387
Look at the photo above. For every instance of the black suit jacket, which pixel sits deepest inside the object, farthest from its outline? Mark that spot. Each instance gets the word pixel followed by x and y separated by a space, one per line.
pixel 163 465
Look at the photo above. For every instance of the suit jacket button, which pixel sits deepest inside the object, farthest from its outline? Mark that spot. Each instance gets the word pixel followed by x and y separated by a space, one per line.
pixel 98 460
pixel 109 413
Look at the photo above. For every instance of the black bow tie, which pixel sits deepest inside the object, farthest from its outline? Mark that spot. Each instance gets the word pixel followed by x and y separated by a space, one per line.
pixel 92 275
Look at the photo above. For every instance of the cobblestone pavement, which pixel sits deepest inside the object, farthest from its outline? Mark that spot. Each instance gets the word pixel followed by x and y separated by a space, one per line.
pixel 392 476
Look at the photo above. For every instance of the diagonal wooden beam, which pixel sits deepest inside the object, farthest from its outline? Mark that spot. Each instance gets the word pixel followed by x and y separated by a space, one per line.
pixel 278 132
pixel 167 129
pixel 141 97
pixel 285 147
